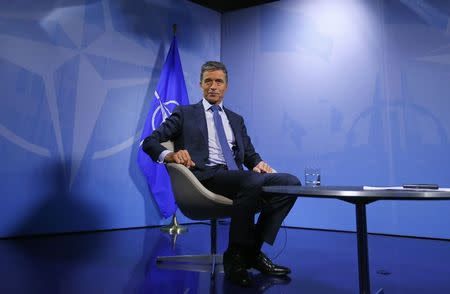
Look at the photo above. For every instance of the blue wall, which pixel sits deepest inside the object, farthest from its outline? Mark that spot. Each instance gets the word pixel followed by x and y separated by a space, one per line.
pixel 359 89
pixel 75 78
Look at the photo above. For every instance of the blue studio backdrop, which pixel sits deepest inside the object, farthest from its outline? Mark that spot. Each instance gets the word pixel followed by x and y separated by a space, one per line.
pixel 76 84
pixel 359 89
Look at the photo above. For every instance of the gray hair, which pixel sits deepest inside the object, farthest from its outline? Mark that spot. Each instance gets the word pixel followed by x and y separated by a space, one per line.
pixel 214 65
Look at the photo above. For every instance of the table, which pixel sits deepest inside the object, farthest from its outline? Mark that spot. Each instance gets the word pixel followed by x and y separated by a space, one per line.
pixel 360 198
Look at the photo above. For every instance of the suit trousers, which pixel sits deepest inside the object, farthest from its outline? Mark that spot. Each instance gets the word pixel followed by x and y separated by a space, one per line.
pixel 245 189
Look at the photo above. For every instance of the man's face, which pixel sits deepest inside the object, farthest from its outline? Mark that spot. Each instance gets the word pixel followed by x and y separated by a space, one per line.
pixel 214 86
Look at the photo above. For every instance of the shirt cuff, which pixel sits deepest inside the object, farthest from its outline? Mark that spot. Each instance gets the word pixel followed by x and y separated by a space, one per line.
pixel 163 155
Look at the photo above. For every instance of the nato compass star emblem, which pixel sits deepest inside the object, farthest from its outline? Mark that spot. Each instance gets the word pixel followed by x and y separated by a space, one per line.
pixel 162 110
pixel 82 41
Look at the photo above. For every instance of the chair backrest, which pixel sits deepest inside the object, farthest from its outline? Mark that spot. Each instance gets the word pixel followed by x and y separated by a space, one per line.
pixel 193 199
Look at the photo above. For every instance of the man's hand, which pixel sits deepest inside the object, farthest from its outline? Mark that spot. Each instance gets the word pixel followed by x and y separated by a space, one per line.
pixel 263 167
pixel 181 157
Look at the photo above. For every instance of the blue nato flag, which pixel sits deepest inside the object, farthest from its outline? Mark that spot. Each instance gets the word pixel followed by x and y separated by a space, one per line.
pixel 170 92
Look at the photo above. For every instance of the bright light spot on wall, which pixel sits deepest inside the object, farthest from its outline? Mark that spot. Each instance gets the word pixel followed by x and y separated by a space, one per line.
pixel 338 18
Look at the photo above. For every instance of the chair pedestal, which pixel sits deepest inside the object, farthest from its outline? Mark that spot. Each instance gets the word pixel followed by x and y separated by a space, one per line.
pixel 211 263
pixel 196 263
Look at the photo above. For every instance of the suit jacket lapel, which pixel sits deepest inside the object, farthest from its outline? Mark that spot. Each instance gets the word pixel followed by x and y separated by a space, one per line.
pixel 200 118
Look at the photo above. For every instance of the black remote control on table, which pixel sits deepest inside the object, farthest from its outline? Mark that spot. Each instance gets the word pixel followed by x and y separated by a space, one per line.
pixel 421 186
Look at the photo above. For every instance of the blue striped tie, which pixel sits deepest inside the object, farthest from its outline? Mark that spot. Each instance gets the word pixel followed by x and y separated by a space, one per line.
pixel 227 154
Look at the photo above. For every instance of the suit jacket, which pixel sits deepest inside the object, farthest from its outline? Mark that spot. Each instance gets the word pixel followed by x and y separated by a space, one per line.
pixel 186 127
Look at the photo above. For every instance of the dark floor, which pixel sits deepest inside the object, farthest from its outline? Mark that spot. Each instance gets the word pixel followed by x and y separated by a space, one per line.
pixel 124 262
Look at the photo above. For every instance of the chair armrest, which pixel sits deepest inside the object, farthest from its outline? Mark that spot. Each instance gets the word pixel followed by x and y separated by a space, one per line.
pixel 192 180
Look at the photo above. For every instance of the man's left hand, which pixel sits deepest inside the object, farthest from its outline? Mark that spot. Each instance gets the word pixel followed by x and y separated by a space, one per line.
pixel 263 167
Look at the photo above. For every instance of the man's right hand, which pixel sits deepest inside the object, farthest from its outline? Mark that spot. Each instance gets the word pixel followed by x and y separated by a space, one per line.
pixel 181 157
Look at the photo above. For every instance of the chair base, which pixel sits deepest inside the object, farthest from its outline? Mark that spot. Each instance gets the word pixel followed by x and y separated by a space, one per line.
pixel 212 263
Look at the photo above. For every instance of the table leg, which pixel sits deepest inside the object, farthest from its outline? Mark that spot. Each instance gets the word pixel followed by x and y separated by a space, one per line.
pixel 363 251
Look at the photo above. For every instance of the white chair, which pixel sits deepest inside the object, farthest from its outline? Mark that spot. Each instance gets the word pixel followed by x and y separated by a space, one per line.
pixel 197 203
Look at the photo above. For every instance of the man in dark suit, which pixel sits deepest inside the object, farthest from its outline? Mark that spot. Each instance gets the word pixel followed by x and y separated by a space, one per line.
pixel 212 141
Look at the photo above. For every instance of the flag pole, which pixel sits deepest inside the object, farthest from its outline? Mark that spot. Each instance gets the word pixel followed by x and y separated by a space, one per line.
pixel 174 228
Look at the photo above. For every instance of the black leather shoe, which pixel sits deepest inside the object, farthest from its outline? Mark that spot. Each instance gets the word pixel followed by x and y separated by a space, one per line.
pixel 234 265
pixel 263 264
